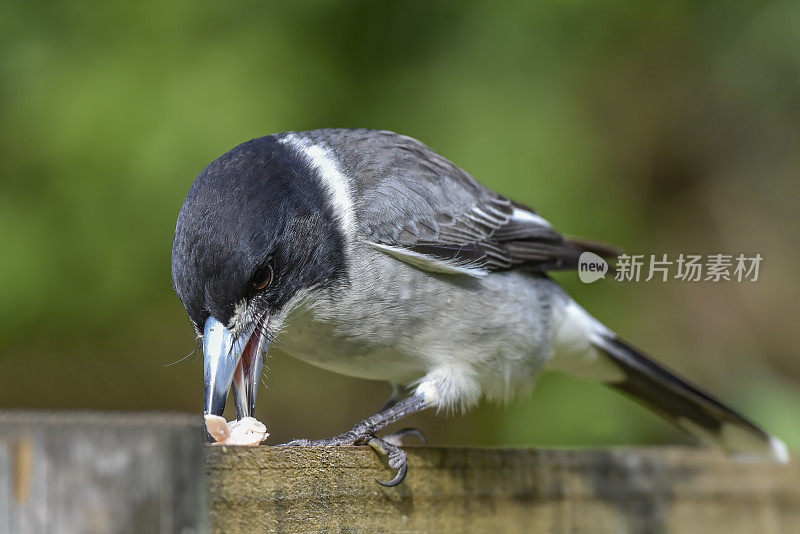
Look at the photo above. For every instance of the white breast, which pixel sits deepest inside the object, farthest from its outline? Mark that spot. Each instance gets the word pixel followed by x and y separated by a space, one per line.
pixel 477 337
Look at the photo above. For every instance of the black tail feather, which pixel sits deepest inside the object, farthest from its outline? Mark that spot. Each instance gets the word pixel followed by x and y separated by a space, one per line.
pixel 685 405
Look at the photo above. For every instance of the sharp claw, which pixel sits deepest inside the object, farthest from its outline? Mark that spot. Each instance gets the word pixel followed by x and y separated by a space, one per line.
pixel 397 459
pixel 398 479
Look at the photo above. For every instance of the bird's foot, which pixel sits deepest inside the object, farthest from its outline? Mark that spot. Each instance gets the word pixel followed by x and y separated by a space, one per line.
pixel 387 447
pixel 352 438
pixel 395 457
pixel 364 434
pixel 342 440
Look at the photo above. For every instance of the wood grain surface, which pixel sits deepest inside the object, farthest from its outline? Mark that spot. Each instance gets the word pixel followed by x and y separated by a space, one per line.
pixel 129 473
pixel 88 472
pixel 652 490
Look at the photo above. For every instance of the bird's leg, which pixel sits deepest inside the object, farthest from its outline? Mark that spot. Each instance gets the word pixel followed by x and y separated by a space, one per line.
pixel 361 433
pixel 364 432
pixel 396 438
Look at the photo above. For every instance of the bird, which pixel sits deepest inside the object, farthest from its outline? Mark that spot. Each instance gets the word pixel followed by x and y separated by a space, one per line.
pixel 366 253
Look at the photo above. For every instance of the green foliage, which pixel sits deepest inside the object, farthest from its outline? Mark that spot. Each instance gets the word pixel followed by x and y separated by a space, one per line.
pixel 622 121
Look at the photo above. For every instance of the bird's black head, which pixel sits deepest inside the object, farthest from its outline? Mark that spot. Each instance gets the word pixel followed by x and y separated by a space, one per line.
pixel 257 228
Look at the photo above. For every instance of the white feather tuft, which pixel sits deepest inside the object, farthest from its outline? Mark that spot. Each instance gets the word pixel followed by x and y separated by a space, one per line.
pixel 780 452
pixel 575 330
pixel 450 388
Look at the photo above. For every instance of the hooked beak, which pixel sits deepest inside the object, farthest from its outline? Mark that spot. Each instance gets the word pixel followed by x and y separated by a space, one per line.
pixel 237 361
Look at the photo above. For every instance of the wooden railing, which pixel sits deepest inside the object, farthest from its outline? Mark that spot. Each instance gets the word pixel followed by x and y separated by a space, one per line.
pixel 85 472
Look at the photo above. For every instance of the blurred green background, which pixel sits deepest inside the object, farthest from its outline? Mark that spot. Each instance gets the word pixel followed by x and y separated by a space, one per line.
pixel 661 127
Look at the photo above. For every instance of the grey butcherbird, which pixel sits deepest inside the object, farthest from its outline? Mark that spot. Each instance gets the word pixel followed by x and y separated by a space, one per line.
pixel 366 253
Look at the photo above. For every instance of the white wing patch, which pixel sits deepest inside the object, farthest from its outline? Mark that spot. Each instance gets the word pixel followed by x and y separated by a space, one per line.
pixel 335 182
pixel 431 263
pixel 525 216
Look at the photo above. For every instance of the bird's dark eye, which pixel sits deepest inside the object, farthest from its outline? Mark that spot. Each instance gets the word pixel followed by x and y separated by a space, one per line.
pixel 262 277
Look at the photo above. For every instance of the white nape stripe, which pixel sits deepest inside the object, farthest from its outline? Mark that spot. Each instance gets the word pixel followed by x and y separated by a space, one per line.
pixel 431 263
pixel 336 183
pixel 528 217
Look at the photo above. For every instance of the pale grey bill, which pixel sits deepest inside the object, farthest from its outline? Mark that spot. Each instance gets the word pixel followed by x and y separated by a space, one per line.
pixel 230 360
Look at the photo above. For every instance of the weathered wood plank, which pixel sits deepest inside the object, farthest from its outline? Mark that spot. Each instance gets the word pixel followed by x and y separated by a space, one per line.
pixel 87 472
pixel 655 490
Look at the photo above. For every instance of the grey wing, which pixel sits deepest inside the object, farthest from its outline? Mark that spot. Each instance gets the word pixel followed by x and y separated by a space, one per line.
pixel 416 204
